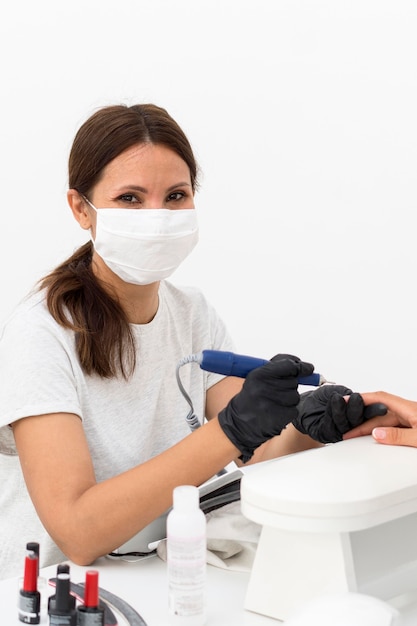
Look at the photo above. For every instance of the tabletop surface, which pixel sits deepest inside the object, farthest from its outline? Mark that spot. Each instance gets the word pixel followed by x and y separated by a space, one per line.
pixel 143 584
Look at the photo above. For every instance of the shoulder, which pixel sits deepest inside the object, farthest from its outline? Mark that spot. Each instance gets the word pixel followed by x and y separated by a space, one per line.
pixel 32 305
pixel 31 318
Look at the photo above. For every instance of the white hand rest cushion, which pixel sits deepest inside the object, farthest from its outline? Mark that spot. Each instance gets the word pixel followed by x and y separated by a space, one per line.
pixel 345 609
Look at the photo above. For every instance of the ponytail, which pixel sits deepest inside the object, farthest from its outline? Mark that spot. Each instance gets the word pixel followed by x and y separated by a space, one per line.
pixel 103 338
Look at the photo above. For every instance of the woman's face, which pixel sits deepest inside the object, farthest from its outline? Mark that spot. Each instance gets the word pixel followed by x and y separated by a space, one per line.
pixel 145 176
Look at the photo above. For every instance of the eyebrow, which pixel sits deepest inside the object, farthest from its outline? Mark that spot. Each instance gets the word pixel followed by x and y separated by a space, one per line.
pixel 144 190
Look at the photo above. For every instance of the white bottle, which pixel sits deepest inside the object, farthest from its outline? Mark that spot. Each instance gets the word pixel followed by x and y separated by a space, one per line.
pixel 186 558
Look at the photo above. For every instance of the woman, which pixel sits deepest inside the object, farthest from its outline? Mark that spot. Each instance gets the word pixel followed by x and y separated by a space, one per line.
pixel 93 437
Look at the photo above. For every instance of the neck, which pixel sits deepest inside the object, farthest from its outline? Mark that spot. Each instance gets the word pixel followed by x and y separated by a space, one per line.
pixel 139 302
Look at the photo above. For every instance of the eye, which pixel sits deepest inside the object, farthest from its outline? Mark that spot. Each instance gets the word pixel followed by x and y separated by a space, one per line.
pixel 176 196
pixel 130 198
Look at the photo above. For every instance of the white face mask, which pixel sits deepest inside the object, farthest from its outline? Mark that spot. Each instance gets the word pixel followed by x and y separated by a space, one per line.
pixel 143 246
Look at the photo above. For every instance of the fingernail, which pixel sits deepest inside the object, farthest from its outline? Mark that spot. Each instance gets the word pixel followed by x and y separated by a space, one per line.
pixel 379 433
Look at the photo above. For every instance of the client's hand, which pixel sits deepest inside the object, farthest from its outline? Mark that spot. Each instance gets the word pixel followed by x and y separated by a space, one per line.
pixel 398 427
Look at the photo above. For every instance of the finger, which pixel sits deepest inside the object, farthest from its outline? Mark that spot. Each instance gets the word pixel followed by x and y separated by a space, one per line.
pixel 273 374
pixel 285 367
pixel 306 368
pixel 338 409
pixel 372 410
pixel 338 424
pixel 325 392
pixel 396 436
pixel 366 428
pixel 280 357
pixel 394 403
pixel 371 397
pixel 354 411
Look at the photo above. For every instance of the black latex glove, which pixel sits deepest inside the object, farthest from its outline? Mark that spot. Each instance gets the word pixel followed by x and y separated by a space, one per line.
pixel 265 405
pixel 325 416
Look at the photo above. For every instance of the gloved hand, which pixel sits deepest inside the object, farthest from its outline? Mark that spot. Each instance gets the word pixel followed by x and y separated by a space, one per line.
pixel 265 405
pixel 326 416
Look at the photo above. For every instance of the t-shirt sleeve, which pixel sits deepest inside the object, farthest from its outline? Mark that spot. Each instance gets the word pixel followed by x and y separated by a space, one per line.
pixel 220 339
pixel 36 369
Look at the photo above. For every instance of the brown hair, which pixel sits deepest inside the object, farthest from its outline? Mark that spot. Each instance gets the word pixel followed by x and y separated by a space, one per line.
pixel 75 299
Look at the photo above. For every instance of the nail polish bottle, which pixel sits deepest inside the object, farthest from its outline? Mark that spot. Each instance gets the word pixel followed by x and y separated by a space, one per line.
pixel 61 606
pixel 33 546
pixel 29 607
pixel 90 613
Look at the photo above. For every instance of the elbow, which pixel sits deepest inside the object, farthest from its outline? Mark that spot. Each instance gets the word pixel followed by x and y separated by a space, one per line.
pixel 81 540
pixel 81 557
pixel 80 552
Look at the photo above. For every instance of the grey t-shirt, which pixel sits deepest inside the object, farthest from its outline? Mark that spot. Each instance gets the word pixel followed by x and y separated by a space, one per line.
pixel 125 422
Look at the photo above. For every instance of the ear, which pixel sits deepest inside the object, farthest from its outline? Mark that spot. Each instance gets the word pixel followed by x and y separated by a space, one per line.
pixel 80 209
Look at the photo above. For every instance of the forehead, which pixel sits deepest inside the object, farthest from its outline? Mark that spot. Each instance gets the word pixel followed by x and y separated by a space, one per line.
pixel 146 160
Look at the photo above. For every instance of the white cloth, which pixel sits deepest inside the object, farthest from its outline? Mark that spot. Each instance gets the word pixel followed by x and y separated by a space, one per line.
pixel 232 539
pixel 125 422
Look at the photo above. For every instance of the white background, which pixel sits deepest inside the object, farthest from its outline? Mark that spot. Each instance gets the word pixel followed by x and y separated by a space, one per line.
pixel 303 117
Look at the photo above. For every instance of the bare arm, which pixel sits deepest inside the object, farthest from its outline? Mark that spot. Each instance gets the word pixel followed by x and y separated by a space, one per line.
pixel 289 441
pixel 87 519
